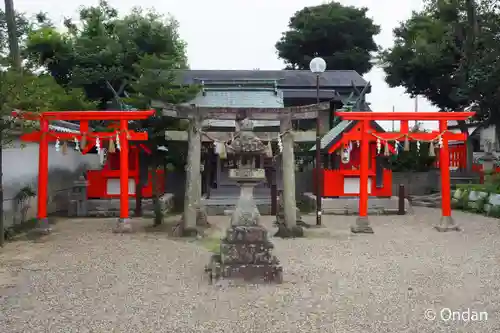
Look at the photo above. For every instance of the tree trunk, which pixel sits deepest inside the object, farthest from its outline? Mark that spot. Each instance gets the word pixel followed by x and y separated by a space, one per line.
pixel 156 198
pixel 10 16
pixel 2 229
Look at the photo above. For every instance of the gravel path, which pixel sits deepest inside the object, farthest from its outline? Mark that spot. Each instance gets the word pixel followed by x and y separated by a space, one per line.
pixel 83 278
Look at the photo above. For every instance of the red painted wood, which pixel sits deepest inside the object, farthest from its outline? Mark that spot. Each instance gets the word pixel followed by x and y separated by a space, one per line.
pixel 43 171
pixel 365 136
pixel 353 136
pixel 444 166
pixel 405 115
pixel 124 189
pixel 84 115
pixel 44 136
pixel 103 136
pixel 458 157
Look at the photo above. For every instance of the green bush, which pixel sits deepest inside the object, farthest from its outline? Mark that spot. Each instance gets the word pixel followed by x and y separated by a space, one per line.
pixel 494 212
pixel 488 188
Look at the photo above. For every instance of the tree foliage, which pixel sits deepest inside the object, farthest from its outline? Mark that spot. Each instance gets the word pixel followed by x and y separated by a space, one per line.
pixel 154 80
pixel 104 48
pixel 35 93
pixel 342 35
pixel 23 28
pixel 449 53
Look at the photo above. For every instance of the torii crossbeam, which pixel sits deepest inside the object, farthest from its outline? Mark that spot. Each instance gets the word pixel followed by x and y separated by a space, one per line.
pixel 366 135
pixel 44 136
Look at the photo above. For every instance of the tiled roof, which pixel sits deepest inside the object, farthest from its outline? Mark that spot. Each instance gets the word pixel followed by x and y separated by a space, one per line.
pixel 330 138
pixel 334 133
pixel 239 99
pixel 284 78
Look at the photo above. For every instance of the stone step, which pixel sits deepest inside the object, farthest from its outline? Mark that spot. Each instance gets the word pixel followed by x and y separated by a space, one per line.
pixel 226 207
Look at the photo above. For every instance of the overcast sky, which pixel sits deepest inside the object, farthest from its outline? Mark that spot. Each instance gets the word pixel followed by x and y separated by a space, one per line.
pixel 240 34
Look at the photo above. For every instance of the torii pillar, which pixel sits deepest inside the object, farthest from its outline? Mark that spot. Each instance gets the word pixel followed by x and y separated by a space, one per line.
pixel 367 135
pixel 45 135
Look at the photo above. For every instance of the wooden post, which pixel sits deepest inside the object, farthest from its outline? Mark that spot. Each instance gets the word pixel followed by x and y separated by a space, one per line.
pixel 362 223
pixel 288 167
pixel 43 177
pixel 446 222
pixel 401 201
pixel 124 170
pixel 193 176
pixel 123 224
pixel 274 191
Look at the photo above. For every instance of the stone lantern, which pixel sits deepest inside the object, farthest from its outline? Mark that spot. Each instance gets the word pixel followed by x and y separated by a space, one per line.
pixel 246 252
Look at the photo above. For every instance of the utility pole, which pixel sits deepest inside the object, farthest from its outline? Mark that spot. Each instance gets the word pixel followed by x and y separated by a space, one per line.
pixel 10 17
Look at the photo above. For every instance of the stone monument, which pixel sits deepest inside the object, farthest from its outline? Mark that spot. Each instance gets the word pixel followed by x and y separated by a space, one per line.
pixel 245 251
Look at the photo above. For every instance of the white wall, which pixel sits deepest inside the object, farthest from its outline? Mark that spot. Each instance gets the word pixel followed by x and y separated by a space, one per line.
pixel 20 168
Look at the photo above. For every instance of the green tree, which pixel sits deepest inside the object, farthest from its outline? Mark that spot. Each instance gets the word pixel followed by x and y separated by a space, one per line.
pixel 104 48
pixel 448 53
pixel 155 81
pixel 114 57
pixel 342 35
pixel 35 93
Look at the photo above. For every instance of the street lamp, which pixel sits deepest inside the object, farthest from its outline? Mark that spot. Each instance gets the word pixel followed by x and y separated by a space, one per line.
pixel 318 66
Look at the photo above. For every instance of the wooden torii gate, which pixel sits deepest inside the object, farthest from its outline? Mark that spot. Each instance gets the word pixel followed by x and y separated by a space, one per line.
pixel 44 136
pixel 196 115
pixel 366 135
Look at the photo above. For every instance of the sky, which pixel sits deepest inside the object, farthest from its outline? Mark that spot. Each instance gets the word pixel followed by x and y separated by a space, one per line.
pixel 241 34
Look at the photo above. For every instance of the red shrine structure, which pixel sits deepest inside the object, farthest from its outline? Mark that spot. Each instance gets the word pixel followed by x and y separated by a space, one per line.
pixel 88 140
pixel 365 134
pixel 105 183
pixel 344 181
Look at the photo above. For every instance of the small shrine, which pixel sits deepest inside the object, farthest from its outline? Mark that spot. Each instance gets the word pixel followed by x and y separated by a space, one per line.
pixel 342 177
pixel 246 252
pixel 104 183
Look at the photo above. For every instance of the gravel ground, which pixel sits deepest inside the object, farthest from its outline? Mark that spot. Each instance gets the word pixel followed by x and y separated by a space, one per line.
pixel 83 278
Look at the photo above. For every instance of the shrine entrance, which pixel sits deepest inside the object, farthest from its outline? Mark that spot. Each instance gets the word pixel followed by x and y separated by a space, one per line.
pixel 193 205
pixel 84 141
pixel 366 134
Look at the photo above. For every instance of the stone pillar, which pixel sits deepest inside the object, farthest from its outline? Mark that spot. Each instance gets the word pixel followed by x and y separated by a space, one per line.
pixel 193 178
pixel 78 199
pixel 289 228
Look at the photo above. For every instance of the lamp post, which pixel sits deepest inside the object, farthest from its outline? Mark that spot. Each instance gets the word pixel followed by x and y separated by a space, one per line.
pixel 318 66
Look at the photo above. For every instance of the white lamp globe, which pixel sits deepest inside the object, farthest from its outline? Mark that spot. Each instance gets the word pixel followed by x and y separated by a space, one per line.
pixel 317 65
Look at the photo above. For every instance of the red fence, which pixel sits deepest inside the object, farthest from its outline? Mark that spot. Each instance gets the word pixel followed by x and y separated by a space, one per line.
pixel 458 157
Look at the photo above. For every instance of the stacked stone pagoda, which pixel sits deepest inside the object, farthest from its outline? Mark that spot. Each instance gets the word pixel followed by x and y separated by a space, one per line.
pixel 245 251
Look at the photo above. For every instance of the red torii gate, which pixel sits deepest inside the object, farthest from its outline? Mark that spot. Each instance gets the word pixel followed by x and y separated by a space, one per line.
pixel 44 136
pixel 365 135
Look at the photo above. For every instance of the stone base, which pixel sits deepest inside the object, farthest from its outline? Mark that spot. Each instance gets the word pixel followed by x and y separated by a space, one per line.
pixel 246 254
pixel 43 227
pixel 251 273
pixel 123 226
pixel 286 232
pixel 180 230
pixel 362 226
pixel 201 217
pixel 447 223
pixel 111 207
